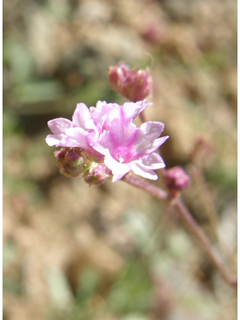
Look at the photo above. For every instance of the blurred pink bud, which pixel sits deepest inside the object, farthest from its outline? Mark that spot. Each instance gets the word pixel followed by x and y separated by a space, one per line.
pixel 152 33
pixel 134 85
pixel 70 161
pixel 97 174
pixel 176 179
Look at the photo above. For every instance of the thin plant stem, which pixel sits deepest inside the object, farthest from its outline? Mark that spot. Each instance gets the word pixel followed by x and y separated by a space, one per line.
pixel 204 193
pixel 142 184
pixel 196 173
pixel 198 233
pixel 188 220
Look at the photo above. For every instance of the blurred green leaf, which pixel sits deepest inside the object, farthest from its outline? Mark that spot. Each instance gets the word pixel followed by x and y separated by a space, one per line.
pixel 224 176
pixel 179 244
pixel 132 291
pixel 60 292
pixel 92 92
pixel 18 58
pixel 88 284
pixel 15 185
pixel 135 316
pixel 11 125
pixel 9 253
pixel 38 91
pixel 214 60
pixel 12 286
pixel 141 228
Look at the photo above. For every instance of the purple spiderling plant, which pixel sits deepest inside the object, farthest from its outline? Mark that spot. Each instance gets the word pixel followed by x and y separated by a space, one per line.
pixel 104 142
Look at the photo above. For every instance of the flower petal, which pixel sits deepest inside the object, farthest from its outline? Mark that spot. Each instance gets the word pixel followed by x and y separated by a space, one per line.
pixel 77 137
pixel 54 139
pixel 147 164
pixel 131 109
pixel 152 128
pixel 146 141
pixel 82 118
pixel 153 161
pixel 100 113
pixel 118 169
pixel 143 171
pixel 59 125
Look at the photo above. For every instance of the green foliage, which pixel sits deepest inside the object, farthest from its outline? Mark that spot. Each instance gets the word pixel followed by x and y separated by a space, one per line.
pixel 224 177
pixel 38 91
pixel 60 292
pixel 88 285
pixel 9 253
pixel 12 286
pixel 132 291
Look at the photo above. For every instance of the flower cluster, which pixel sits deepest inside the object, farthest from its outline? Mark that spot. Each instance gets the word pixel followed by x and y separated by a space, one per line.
pixel 109 136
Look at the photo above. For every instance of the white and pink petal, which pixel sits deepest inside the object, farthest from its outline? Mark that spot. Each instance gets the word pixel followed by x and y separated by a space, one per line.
pixel 54 139
pixel 82 118
pixel 118 169
pixel 59 125
pixel 144 171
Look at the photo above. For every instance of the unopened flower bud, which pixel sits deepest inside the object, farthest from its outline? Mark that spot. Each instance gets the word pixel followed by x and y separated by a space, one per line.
pixel 71 161
pixel 134 85
pixel 176 179
pixel 152 33
pixel 74 162
pixel 96 174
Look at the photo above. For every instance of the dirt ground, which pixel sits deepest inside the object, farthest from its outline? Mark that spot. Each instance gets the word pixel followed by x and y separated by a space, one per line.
pixel 113 252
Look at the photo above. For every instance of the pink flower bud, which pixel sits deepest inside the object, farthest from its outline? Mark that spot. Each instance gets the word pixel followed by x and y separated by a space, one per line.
pixel 176 179
pixel 74 162
pixel 97 174
pixel 134 85
pixel 152 33
pixel 70 161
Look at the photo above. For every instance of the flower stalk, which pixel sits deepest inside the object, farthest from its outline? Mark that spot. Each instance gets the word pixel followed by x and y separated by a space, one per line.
pixel 189 221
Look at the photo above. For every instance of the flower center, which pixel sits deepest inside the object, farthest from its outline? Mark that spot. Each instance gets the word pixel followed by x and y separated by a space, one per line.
pixel 120 159
pixel 123 154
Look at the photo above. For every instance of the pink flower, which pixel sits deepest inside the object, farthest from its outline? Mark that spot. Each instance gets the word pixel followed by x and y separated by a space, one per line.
pixel 107 133
pixel 129 148
pixel 134 85
pixel 87 124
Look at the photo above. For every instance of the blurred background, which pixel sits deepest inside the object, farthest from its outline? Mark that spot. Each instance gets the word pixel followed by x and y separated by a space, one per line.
pixel 112 252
